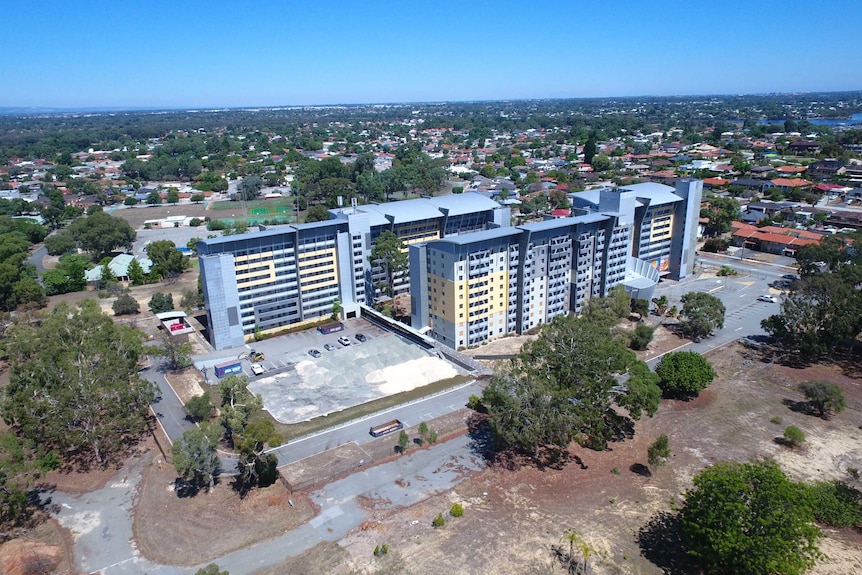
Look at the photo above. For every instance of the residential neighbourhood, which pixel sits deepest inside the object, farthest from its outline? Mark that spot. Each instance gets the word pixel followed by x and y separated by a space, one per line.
pixel 331 325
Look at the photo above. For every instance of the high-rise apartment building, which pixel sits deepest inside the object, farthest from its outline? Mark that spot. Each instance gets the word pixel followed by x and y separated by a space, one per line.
pixel 472 277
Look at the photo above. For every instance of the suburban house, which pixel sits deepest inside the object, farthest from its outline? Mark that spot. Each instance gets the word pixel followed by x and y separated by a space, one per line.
pixel 772 239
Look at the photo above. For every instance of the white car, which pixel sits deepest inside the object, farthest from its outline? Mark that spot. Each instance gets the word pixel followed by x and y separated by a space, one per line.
pixel 344 341
pixel 768 298
pixel 257 369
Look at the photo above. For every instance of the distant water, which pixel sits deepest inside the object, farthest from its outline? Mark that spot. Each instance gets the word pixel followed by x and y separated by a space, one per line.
pixel 854 120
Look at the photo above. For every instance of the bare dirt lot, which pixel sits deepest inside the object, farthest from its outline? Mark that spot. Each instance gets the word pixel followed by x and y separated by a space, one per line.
pixel 138 215
pixel 170 530
pixel 513 517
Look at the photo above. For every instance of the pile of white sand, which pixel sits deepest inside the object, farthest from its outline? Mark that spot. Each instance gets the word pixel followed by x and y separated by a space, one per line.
pixel 410 375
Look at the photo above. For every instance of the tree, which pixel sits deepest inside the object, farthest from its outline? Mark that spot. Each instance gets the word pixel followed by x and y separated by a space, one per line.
pixel 200 407
pixel 640 307
pixel 177 353
pixel 100 234
pixel 161 302
pixel 60 243
pixel 403 441
pixel 608 311
pixel 317 213
pixel 822 311
pixel 20 467
pixel 237 404
pixel 702 314
pixel 130 201
pixel 825 397
pixel 749 518
pixel 248 188
pixel 658 452
pixel 601 163
pixel 590 149
pixel 389 253
pixel 195 457
pixel 154 198
pixel 173 196
pixel 641 337
pixel 256 468
pixel 423 430
pixel 563 385
pixel 642 391
pixel 136 273
pixel 211 569
pixel 721 213
pixel 197 198
pixel 166 259
pixel 684 373
pixel 125 305
pixel 74 386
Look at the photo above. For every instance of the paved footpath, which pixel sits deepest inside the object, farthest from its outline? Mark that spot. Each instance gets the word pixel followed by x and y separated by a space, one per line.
pixel 102 522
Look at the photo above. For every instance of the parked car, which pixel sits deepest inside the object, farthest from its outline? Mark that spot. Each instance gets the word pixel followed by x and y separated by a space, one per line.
pixel 328 346
pixel 343 341
pixel 254 355
pixel 314 352
pixel 257 369
pixel 768 298
pixel 360 337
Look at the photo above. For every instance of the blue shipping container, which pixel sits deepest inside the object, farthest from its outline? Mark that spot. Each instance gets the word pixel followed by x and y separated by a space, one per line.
pixel 228 368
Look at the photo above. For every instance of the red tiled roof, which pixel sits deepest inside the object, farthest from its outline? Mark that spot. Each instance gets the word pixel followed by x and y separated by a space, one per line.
pixel 790 182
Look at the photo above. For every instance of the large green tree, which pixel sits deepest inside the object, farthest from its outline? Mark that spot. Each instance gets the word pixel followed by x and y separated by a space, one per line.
pixel 195 457
pixel 721 213
pixel 822 311
pixel 256 468
pixel 100 234
pixel 702 314
pixel 684 373
pixel 238 404
pixel 743 519
pixel 389 253
pixel 562 386
pixel 166 259
pixel 74 386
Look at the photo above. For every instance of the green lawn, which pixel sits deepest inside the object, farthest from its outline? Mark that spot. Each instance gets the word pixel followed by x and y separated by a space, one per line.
pixel 258 207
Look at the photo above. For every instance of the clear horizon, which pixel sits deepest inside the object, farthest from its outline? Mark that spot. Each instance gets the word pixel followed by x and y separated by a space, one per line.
pixel 213 55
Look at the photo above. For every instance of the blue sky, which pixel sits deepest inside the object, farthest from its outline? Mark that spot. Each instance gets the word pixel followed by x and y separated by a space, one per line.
pixel 190 53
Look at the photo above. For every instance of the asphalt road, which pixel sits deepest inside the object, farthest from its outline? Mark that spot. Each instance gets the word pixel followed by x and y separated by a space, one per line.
pixel 35 259
pixel 170 412
pixel 357 431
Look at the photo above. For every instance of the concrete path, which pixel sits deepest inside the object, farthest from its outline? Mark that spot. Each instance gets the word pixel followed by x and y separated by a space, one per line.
pixel 102 523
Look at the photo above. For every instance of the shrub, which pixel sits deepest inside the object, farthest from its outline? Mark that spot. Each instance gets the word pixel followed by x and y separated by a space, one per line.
pixel 439 521
pixel 615 470
pixel 432 436
pixel 715 245
pixel 381 550
pixel 776 420
pixel 195 222
pixel 658 452
pixel 161 302
pixel 641 337
pixel 125 305
pixel 475 402
pixel 726 271
pixel 793 436
pixel 836 504
pixel 457 510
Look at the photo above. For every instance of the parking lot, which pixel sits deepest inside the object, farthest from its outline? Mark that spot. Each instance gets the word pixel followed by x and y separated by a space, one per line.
pixel 296 386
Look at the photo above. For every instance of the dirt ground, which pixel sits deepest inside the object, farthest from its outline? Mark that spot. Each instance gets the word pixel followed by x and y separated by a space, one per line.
pixel 513 517
pixel 168 528
pixel 137 216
